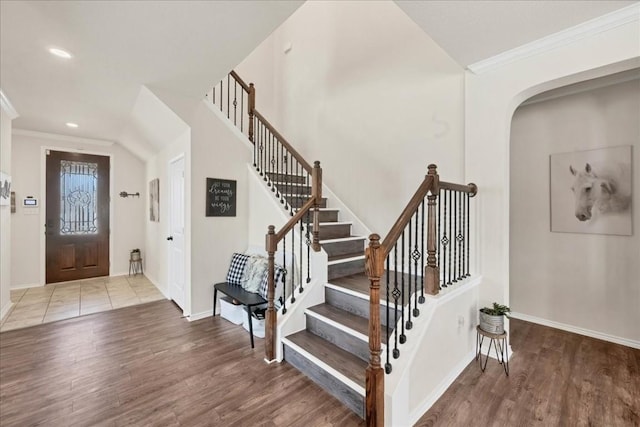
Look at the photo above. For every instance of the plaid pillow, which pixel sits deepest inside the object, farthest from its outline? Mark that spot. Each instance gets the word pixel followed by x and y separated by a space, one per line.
pixel 236 269
pixel 278 275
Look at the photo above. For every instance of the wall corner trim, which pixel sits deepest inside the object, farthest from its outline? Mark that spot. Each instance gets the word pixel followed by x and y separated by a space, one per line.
pixel 59 137
pixel 597 25
pixel 577 330
pixel 6 309
pixel 6 105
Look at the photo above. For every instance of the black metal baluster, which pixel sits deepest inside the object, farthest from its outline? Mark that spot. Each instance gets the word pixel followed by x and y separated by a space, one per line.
pixel 439 225
pixel 467 240
pixel 301 232
pixel 221 88
pixel 396 295
pixel 235 100
pixel 460 236
pixel 255 147
pixel 228 95
pixel 445 239
pixel 242 110
pixel 308 232
pixel 421 299
pixel 284 265
pixel 416 255
pixel 409 323
pixel 278 165
pixel 283 278
pixel 454 239
pixel 286 179
pixel 292 273
pixel 387 366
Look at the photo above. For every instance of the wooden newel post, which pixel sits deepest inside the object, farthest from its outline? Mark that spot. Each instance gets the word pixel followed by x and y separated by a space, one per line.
pixel 250 107
pixel 432 271
pixel 316 189
pixel 374 403
pixel 271 319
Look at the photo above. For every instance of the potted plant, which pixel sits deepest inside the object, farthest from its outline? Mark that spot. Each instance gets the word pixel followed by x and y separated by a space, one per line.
pixel 135 254
pixel 491 318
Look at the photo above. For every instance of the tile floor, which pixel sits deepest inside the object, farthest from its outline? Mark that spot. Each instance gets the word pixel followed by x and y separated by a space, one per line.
pixel 49 303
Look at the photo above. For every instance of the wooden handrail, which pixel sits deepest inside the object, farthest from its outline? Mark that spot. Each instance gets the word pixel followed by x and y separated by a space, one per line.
pixel 378 253
pixel 284 142
pixel 277 237
pixel 470 188
pixel 407 212
pixel 271 244
pixel 239 80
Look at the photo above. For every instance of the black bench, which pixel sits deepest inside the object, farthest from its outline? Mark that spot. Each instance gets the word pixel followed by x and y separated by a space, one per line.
pixel 237 293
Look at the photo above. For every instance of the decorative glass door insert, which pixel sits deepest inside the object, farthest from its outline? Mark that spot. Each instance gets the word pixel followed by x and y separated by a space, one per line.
pixel 78 197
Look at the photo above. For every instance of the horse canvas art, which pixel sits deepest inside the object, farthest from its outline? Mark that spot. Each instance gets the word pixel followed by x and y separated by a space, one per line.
pixel 591 191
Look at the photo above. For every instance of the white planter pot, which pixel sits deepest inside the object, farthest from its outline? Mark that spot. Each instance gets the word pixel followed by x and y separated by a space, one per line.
pixel 491 324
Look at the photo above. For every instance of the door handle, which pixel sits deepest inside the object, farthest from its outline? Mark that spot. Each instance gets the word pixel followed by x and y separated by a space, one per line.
pixel 170 238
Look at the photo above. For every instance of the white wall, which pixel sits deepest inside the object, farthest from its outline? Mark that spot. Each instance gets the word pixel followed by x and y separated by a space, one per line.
pixel 588 281
pixel 370 95
pixel 156 233
pixel 491 99
pixel 5 214
pixel 127 229
pixel 218 150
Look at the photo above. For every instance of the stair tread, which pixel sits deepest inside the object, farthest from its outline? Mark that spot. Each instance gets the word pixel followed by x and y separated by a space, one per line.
pixel 360 283
pixel 350 320
pixel 347 256
pixel 342 361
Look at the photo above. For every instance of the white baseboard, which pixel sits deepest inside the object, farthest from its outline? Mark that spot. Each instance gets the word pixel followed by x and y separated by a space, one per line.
pixel 6 309
pixel 442 387
pixel 201 315
pixel 28 285
pixel 577 330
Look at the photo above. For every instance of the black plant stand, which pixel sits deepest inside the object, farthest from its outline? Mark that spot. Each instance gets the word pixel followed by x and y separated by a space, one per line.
pixel 499 342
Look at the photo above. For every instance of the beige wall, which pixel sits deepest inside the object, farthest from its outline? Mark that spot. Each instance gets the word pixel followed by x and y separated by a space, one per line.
pixel 156 233
pixel 5 217
pixel 127 226
pixel 491 99
pixel 370 95
pixel 588 281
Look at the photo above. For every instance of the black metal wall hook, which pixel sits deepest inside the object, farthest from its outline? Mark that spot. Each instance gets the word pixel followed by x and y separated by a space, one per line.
pixel 125 194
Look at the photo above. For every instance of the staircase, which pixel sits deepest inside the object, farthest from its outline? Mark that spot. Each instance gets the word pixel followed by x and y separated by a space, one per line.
pixel 426 250
pixel 333 350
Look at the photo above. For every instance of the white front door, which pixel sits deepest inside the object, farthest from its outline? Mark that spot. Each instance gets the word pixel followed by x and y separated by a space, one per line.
pixel 176 232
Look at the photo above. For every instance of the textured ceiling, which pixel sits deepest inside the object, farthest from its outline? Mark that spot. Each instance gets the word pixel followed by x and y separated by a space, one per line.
pixel 118 46
pixel 471 31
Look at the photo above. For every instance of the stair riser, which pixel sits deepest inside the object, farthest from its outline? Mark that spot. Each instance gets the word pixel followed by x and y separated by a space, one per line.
pixel 298 202
pixel 328 216
pixel 344 248
pixel 346 268
pixel 296 179
pixel 353 304
pixel 335 231
pixel 349 397
pixel 292 189
pixel 338 337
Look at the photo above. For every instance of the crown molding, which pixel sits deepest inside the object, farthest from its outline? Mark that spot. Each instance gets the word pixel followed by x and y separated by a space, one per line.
pixel 601 24
pixel 58 137
pixel 6 105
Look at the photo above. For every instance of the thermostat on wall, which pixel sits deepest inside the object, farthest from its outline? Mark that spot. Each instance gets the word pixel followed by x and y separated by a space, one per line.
pixel 30 202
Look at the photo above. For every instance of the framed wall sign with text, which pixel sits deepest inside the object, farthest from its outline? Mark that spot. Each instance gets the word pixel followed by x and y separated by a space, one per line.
pixel 221 197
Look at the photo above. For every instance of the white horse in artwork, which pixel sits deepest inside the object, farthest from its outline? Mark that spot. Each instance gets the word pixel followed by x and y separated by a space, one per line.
pixel 604 189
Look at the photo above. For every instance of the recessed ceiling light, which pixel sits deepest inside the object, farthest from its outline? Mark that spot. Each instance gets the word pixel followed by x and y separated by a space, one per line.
pixel 60 53
pixel 72 125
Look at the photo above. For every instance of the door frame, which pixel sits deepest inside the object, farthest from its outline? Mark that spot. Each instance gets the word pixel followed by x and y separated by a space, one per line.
pixel 43 202
pixel 187 287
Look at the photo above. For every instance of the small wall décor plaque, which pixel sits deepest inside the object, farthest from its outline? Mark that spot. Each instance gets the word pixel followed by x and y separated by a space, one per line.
pixel 221 197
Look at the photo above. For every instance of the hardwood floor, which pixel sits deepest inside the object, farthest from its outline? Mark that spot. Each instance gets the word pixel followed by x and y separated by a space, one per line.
pixel 557 379
pixel 145 365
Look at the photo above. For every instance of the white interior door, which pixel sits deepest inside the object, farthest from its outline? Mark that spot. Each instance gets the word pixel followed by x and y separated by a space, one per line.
pixel 176 230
